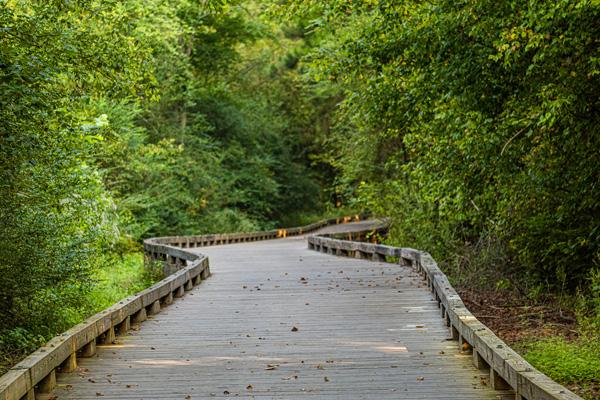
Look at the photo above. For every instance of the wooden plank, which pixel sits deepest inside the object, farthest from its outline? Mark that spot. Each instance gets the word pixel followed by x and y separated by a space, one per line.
pixel 365 330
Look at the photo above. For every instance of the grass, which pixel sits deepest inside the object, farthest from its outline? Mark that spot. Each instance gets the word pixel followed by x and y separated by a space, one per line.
pixel 565 361
pixel 124 276
pixel 573 363
pixel 119 277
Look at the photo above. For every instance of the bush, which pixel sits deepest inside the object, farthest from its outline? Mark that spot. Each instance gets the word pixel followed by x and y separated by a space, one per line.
pixel 472 123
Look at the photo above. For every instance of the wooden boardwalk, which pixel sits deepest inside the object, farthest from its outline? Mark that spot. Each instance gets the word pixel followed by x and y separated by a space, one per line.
pixel 278 321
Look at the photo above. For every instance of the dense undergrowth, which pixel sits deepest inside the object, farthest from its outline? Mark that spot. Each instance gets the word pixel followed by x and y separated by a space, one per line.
pixel 119 277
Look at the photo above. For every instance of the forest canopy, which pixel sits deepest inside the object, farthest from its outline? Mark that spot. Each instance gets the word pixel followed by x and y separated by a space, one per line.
pixel 122 120
pixel 474 125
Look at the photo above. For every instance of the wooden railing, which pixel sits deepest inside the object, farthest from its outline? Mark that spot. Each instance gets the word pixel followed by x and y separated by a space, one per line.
pixel 507 369
pixel 35 376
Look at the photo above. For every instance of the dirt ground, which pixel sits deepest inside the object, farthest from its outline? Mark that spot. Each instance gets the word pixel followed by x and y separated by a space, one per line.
pixel 516 319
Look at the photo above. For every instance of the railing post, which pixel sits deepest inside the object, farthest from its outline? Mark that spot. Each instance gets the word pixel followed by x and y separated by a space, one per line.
pixel 109 336
pixel 154 308
pixel 378 257
pixel 479 362
pixel 497 382
pixel 70 364
pixel 124 326
pixel 89 350
pixel 168 299
pixel 140 316
pixel 47 385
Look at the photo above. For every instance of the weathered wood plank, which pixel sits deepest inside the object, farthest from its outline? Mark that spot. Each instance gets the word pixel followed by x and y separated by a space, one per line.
pixel 365 330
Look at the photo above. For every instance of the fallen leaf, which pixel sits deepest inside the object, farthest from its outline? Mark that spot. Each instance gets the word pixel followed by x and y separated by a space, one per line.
pixel 420 378
pixel 99 394
pixel 326 379
pixel 294 329
pixel 249 387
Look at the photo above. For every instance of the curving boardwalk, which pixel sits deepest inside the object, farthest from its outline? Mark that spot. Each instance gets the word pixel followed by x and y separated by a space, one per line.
pixel 278 321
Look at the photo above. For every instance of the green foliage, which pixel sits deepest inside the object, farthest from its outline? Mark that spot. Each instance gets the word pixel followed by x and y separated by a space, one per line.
pixel 119 277
pixel 474 124
pixel 56 215
pixel 127 119
pixel 588 304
